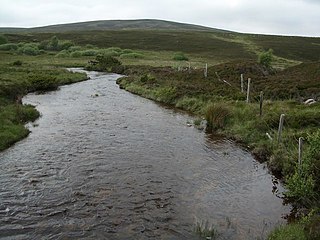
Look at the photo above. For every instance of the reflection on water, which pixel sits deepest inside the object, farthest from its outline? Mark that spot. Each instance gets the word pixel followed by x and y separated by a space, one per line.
pixel 103 163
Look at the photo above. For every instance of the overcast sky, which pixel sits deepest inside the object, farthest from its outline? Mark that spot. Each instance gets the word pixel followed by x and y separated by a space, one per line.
pixel 281 17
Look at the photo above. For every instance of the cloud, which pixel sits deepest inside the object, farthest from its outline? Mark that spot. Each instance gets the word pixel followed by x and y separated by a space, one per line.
pixel 298 17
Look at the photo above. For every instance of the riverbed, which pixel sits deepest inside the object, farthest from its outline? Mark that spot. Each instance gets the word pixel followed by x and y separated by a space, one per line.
pixel 103 163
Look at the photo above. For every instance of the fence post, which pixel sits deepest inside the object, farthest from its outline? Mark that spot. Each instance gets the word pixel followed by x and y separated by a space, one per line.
pixel 189 67
pixel 248 90
pixel 300 151
pixel 241 79
pixel 206 71
pixel 280 127
pixel 261 102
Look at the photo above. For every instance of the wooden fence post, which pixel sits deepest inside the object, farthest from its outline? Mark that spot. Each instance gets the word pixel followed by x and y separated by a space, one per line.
pixel 189 67
pixel 300 151
pixel 261 102
pixel 248 90
pixel 241 79
pixel 280 127
pixel 206 71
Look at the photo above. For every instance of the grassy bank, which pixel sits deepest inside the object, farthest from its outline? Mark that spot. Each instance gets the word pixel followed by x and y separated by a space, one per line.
pixel 19 75
pixel 219 99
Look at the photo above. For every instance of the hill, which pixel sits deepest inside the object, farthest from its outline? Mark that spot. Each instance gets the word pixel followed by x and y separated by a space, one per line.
pixel 145 24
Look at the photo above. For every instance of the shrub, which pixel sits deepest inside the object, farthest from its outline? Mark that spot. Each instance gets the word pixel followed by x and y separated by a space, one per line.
pixel 3 40
pixel 29 50
pixel 64 45
pixel 42 82
pixel 90 52
pixel 8 47
pixel 132 55
pixel 266 58
pixel 107 62
pixel 216 116
pixel 62 54
pixel 180 57
pixel 76 54
pixel 304 183
pixel 74 48
pixel 17 63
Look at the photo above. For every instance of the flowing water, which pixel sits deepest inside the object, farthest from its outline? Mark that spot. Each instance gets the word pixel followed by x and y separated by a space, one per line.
pixel 102 163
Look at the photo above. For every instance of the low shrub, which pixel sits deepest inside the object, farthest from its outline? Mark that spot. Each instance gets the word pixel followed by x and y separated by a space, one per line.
pixel 8 46
pixel 132 55
pixel 180 57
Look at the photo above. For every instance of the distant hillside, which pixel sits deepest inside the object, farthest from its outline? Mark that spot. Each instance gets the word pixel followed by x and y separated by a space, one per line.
pixel 146 24
pixel 159 35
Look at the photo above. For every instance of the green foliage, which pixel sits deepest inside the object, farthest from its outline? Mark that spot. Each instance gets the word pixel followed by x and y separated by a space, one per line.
pixel 266 58
pixel 53 44
pixel 105 63
pixel 217 116
pixel 132 55
pixel 179 56
pixel 288 232
pixel 43 82
pixel 17 63
pixel 12 118
pixel 29 49
pixel 304 184
pixel 3 40
pixel 8 47
pixel 165 94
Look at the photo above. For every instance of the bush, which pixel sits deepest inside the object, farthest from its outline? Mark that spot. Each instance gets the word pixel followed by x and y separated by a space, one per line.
pixel 42 82
pixel 304 183
pixel 62 54
pixel 107 62
pixel 3 40
pixel 180 57
pixel 17 63
pixel 132 55
pixel 266 58
pixel 8 47
pixel 65 45
pixel 76 54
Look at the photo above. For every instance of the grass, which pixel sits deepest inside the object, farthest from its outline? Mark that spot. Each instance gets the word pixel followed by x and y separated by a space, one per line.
pixel 33 73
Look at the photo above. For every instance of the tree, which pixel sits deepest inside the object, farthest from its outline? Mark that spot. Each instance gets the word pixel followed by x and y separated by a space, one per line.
pixel 266 58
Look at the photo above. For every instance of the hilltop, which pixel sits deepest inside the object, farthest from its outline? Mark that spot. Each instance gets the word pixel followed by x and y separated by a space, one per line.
pixel 102 25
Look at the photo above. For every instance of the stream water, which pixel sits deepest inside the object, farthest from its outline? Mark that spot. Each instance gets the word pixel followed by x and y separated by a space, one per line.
pixel 102 163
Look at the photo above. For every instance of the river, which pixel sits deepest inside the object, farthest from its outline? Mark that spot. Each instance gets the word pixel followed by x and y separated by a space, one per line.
pixel 102 163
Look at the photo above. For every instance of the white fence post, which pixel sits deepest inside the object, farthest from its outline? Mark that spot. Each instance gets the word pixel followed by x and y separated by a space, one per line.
pixel 206 71
pixel 280 127
pixel 248 90
pixel 241 79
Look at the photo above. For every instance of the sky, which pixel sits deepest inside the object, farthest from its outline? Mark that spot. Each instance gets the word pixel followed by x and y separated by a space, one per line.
pixel 279 17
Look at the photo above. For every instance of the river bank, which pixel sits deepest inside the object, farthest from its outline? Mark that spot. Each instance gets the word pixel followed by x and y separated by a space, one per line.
pixel 18 78
pixel 121 166
pixel 219 99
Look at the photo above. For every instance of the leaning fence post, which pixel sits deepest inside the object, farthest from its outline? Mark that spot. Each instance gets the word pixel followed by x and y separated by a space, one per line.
pixel 248 90
pixel 206 71
pixel 241 79
pixel 280 127
pixel 261 102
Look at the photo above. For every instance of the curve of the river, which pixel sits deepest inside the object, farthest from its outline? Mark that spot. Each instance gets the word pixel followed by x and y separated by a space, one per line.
pixel 102 163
